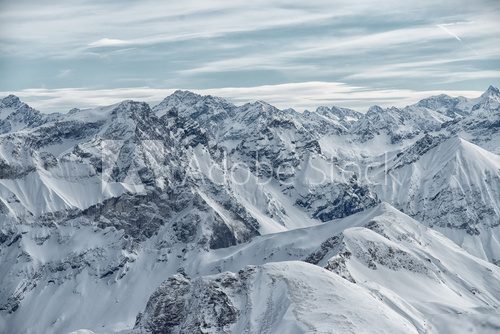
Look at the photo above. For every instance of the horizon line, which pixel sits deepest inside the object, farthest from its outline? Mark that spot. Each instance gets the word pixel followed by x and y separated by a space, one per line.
pixel 300 96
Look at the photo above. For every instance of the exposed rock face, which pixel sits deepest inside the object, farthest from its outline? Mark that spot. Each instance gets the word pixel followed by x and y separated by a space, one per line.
pixel 181 305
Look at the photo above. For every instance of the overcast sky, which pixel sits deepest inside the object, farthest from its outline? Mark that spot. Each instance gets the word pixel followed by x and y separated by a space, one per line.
pixel 297 54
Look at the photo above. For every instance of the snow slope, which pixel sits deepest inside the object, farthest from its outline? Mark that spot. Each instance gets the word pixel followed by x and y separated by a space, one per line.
pixel 452 185
pixel 419 276
pixel 416 272
pixel 282 297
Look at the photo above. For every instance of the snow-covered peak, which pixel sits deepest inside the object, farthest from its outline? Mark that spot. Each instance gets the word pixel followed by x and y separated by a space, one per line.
pixel 435 152
pixel 345 112
pixel 255 113
pixel 375 109
pixel 185 95
pixel 10 101
pixel 11 104
pixel 488 102
pixel 444 104
pixel 16 115
pixel 193 105
pixel 454 107
pixel 123 109
pixel 492 91
pixel 451 183
pixel 322 110
pixel 436 100
pixel 181 97
pixel 345 115
pixel 260 106
pixel 131 108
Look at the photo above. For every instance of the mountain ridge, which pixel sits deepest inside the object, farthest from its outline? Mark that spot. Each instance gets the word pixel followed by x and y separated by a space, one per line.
pixel 96 202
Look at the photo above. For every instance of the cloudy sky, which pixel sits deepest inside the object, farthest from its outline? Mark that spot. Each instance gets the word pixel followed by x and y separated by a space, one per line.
pixel 297 54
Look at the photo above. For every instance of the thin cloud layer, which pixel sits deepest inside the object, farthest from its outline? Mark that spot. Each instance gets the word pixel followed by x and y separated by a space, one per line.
pixel 382 46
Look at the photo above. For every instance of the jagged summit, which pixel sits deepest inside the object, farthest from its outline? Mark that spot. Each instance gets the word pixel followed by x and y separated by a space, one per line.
pixel 338 111
pixel 189 104
pixel 130 109
pixel 184 95
pixel 261 106
pixel 438 101
pixel 375 109
pixel 491 91
pixel 489 100
pixel 128 104
pixel 190 98
pixel 16 115
pixel 11 101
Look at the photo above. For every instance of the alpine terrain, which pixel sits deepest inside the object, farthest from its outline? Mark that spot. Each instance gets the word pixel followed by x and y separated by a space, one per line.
pixel 200 216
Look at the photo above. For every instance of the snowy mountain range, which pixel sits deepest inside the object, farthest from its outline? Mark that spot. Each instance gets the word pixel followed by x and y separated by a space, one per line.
pixel 200 216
